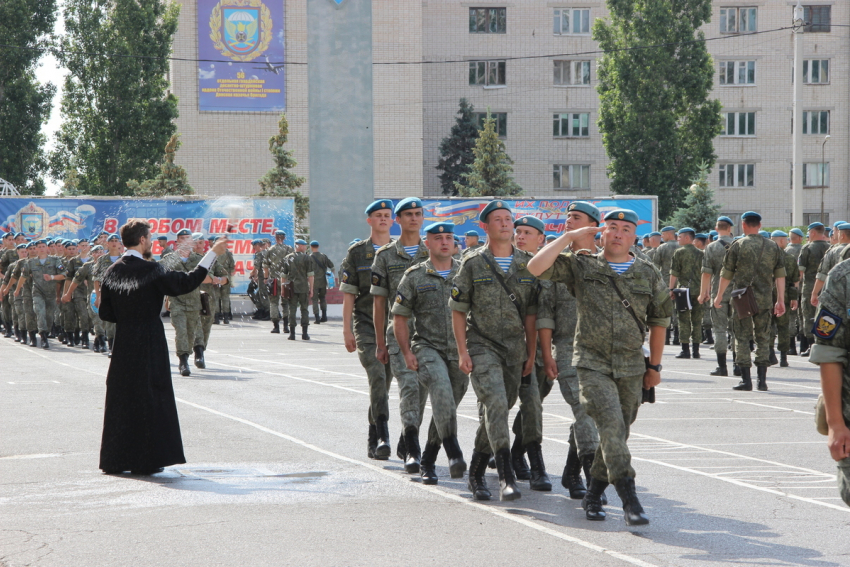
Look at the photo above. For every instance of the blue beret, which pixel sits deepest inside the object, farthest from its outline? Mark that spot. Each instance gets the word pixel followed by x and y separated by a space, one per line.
pixel 69 243
pixel 779 233
pixel 457 239
pixel 440 228
pixel 751 215
pixel 472 233
pixel 701 236
pixel 828 231
pixel 162 237
pixel 380 204
pixel 97 248
pixel 764 233
pixel 843 226
pixel 197 236
pixel 687 229
pixel 81 240
pixel 21 245
pixel 8 235
pixel 737 238
pixel 586 208
pixel 598 236
pixel 668 229
pixel 115 237
pixel 654 233
pixel 256 241
pixel 407 204
pixel 103 232
pixel 815 225
pixel 212 238
pixel 185 232
pixel 796 231
pixel 712 233
pixel 17 234
pixel 279 233
pixel 550 237
pixel 30 244
pixel 353 242
pixel 627 215
pixel 301 241
pixel 493 206
pixel 725 219
pixel 314 243
pixel 531 221
pixel 836 223
pixel 639 244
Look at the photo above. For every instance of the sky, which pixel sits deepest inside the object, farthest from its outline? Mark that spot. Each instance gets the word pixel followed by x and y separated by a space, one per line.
pixel 50 71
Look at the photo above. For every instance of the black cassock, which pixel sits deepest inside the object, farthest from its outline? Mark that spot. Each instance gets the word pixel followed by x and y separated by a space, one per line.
pixel 141 431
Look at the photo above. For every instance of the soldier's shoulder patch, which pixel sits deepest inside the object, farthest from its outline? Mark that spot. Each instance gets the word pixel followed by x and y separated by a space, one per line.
pixel 826 324
pixel 346 275
pixel 376 279
pixel 455 292
pixel 399 298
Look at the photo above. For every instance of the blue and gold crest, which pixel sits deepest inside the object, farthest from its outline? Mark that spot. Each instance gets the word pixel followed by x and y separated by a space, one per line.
pixel 241 29
pixel 31 224
pixel 826 324
pixel 33 221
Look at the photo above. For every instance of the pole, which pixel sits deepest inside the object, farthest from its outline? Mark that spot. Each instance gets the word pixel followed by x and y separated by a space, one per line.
pixel 797 187
pixel 822 174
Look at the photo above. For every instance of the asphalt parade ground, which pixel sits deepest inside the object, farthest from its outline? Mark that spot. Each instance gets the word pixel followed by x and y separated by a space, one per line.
pixel 275 435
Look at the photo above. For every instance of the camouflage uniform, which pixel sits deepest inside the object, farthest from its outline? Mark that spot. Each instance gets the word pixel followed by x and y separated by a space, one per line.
pixel 15 316
pixel 30 319
pixel 809 260
pixel 84 278
pixel 795 321
pixel 389 266
pixel 830 260
pixel 469 250
pixel 99 270
pixel 496 343
pixel 608 353
pixel 356 279
pixel 687 267
pixel 186 308
pixel 7 258
pixel 423 297
pixel 663 259
pixel 262 291
pixel 833 345
pixel 43 292
pixel 742 265
pixel 320 282
pixel 297 267
pixel 792 276
pixel 273 261
pixel 202 335
pixel 79 317
pixel 721 318
pixel 228 264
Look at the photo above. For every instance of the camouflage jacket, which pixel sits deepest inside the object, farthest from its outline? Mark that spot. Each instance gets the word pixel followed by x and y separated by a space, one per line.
pixel 18 272
pixel 556 310
pixel 101 266
pixel 297 268
pixel 258 264
pixel 216 270
pixel 810 256
pixel 650 253
pixel 323 264
pixel 34 271
pixel 493 322
pixel 469 250
pixel 687 268
pixel 712 264
pixel 794 250
pixel 187 302
pixel 389 266
pixel 228 264
pixel 7 258
pixel 755 261
pixel 423 297
pixel 274 259
pixel 71 269
pixel 792 276
pixel 356 279
pixel 84 277
pixel 663 258
pixel 830 260
pixel 9 274
pixel 607 337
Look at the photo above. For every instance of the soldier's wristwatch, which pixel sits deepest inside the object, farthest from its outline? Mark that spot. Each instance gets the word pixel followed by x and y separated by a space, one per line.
pixel 656 367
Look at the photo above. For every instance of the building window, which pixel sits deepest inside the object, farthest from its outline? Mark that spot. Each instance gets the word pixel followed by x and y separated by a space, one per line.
pixel 571 125
pixel 738 20
pixel 739 124
pixel 809 218
pixel 501 124
pixel 816 122
pixel 571 176
pixel 572 72
pixel 737 174
pixel 571 21
pixel 487 73
pixel 815 71
pixel 815 175
pixel 819 18
pixel 488 20
pixel 737 72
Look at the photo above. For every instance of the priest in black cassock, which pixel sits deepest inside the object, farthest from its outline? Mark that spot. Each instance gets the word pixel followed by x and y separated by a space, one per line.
pixel 141 432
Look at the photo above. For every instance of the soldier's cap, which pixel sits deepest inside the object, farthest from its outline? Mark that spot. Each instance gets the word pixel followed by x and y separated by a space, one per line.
pixel 598 236
pixel 21 245
pixel 627 215
pixel 113 237
pixel 779 233
pixel 712 233
pixel 764 233
pixel 827 231
pixel 279 233
pixel 457 239
pixel 668 229
pixel 737 238
pixel 586 208
pixel 493 206
pixel 266 240
pixel 796 231
pixel 654 233
pixel 408 204
pixel 531 221
pixel 725 219
pixel 162 237
pixel 301 241
pixel 197 236
pixel 103 233
pixel 8 235
pixel 17 234
pixel 314 243
pixel 353 242
pixel 97 248
pixel 639 244
pixel 184 232
pixel 81 240
pixel 256 242
pixel 843 226
pixel 212 238
pixel 70 243
pixel 687 229
pixel 472 233
pixel 815 225
pixel 836 223
pixel 440 228
pixel 701 236
pixel 751 215
pixel 31 244
pixel 379 205
pixel 550 237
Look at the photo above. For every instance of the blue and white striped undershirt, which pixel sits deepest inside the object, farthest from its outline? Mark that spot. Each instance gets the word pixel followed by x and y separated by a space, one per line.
pixel 504 262
pixel 412 250
pixel 376 246
pixel 444 273
pixel 621 267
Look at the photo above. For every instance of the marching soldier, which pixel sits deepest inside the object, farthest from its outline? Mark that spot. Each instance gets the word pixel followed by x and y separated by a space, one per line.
pixel 82 286
pixel 215 280
pixel 186 308
pixel 830 259
pixel 792 277
pixel 77 299
pixel 8 256
pixel 25 298
pixel 663 258
pixel 17 321
pixel 41 274
pixel 320 282
pixel 809 260
pixel 685 270
pixel 298 271
pixel 114 246
pixel 264 312
pixel 273 266
pixel 795 235
pixel 721 318
pixel 223 307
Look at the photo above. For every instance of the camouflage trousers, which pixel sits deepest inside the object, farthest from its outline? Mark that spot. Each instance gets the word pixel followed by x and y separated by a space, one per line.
pixel 613 405
pixel 690 323
pixel 29 313
pixel 185 325
pixel 263 293
pixel 223 302
pixel 584 437
pixel 96 323
pixel 722 323
pixel 443 381
pixel 44 306
pixel 412 395
pixel 379 376
pixel 496 385
pixel 706 318
pixel 782 329
pixel 202 335
pixel 528 423
pixel 77 314
pixel 319 301
pixel 809 310
pixel 8 309
pixel 299 300
pixel 278 307
pixel 20 317
pixel 844 480
pixel 756 328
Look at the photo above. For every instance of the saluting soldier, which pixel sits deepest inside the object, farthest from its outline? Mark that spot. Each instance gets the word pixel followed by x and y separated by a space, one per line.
pixel 272 267
pixel 809 260
pixel 215 280
pixel 298 270
pixel 685 271
pixel 320 282
pixel 721 317
pixel 618 296
pixel 423 298
pixel 186 308
pixel 792 277
pixel 663 258
pixel 41 274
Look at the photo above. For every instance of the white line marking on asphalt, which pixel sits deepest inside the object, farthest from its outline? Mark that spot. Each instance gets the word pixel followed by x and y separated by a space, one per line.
pixel 34 456
pixel 33 382
pixel 447 495
pixel 773 407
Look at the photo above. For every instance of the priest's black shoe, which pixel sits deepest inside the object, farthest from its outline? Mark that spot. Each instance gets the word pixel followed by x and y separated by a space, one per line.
pixel 411 439
pixel 382 451
pixel 762 378
pixel 592 501
pixel 199 357
pixel 508 489
pixel 571 477
pixel 746 383
pixel 372 443
pixel 183 366
pixel 686 351
pixel 476 483
pixel 427 466
pixel 457 466
pixel 632 510
pixel 722 369
pixel 518 462
pixel 539 479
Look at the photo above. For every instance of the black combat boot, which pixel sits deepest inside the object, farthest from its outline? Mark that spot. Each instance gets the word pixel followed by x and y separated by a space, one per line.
pixel 632 510
pixel 199 357
pixel 217 320
pixel 676 335
pixel 783 358
pixel 746 383
pixel 33 339
pixel 324 315
pixel 457 466
pixel 518 462
pixel 96 344
pixel 304 335
pixel 103 345
pixel 508 489
pixel 401 448
pixel 316 318
pixel 476 483
pixel 372 442
pixel 686 351
pixel 772 357
pixel 587 464
pixel 60 337
pixel 228 317
pixel 695 350
pixel 382 451
pixel 667 337
pixel 427 466
pixel 276 327
pixel 183 366
pixel 709 337
pixel 539 479
pixel 291 333
pixel 78 337
pixel 722 369
pixel 571 477
pixel 793 349
pixel 267 316
pixel 84 341
pixel 762 378
pixel 592 501
pixel 109 343
pixel 414 455
pixel 804 346
pixel 286 325
pixel 44 344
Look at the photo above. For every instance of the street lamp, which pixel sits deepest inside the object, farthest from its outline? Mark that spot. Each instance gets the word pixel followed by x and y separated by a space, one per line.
pixel 797 146
pixel 822 173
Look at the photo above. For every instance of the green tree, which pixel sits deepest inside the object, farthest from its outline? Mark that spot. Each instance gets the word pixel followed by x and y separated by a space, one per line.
pixel 117 111
pixel 25 104
pixel 699 210
pixel 491 173
pixel 70 184
pixel 280 181
pixel 456 149
pixel 171 179
pixel 655 115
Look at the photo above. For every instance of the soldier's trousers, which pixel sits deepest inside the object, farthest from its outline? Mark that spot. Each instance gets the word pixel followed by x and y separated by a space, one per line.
pixel 185 325
pixel 706 318
pixel 528 423
pixel 809 311
pixel 69 317
pixel 79 306
pixel 721 320
pixel 202 335
pixel 412 395
pixel 29 311
pixel 690 323
pixel 844 480
pixel 674 321
pixel 584 437
pixel 446 384
pixel 379 377
pixel 97 323
pixel 755 328
pixel 782 329
pixel 299 299
pixel 279 307
pixel 613 405
pixel 319 300
pixel 224 298
pixel 8 309
pixel 496 384
pixel 20 314
pixel 263 293
pixel 44 305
